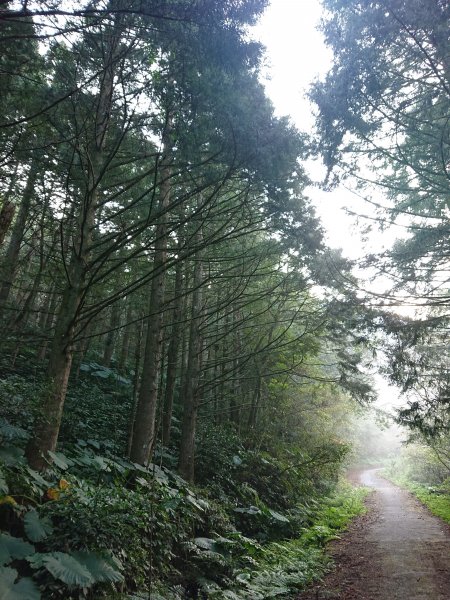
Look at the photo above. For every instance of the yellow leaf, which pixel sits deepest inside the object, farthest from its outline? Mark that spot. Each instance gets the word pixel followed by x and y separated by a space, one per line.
pixel 8 500
pixel 63 484
pixel 53 493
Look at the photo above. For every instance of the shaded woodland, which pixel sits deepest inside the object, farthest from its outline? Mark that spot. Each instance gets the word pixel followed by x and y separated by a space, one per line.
pixel 181 352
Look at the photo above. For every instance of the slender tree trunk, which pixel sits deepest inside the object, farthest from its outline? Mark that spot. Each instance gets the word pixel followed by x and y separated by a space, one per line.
pixel 8 208
pixel 47 424
pixel 125 346
pixel 47 321
pixel 139 326
pixel 22 318
pixel 190 400
pixel 112 334
pixel 144 428
pixel 11 259
pixel 46 429
pixel 236 394
pixel 251 423
pixel 172 355
pixel 6 217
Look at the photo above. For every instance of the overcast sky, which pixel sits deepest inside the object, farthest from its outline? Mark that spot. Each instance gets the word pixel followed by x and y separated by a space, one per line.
pixel 296 55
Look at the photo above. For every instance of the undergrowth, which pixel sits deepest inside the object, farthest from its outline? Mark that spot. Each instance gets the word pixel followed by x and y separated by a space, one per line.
pixel 95 525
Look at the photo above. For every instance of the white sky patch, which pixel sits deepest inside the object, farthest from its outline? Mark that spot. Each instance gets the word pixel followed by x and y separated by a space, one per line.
pixel 296 56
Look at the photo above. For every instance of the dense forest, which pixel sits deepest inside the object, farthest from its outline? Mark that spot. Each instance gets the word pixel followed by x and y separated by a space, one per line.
pixel 185 363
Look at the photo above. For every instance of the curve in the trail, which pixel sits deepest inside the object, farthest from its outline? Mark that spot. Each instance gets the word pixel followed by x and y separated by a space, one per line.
pixel 410 546
pixel 397 551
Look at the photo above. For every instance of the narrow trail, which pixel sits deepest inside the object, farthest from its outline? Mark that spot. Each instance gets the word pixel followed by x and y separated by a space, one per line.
pixel 397 551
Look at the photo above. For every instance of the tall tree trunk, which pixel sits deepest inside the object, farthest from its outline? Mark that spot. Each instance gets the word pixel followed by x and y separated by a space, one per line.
pixel 125 346
pixel 46 321
pixel 11 259
pixel 172 355
pixel 21 319
pixel 144 428
pixel 236 393
pixel 190 396
pixel 139 328
pixel 6 217
pixel 112 334
pixel 46 429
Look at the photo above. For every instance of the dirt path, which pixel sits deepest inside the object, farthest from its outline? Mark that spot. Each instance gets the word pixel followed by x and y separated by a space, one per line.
pixel 397 551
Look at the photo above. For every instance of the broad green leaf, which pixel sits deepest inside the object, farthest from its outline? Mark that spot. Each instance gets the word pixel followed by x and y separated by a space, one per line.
pixel 38 478
pixel 100 463
pixel 122 380
pixel 278 517
pixel 36 528
pixel 104 373
pixel 12 548
pixel 158 473
pixel 67 569
pixel 251 510
pixel 11 456
pixel 81 569
pixel 195 502
pixel 102 567
pixel 59 459
pixel 24 589
pixel 10 432
pixel 93 443
pixel 206 543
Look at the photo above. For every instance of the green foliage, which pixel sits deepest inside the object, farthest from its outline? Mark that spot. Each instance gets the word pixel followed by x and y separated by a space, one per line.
pixel 281 569
pixel 436 498
pixel 79 569
pixel 98 521
pixel 424 471
pixel 98 408
pixel 36 528
pixel 12 548
pixel 24 589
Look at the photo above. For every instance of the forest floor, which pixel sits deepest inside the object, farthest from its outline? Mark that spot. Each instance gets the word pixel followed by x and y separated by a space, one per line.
pixel 396 551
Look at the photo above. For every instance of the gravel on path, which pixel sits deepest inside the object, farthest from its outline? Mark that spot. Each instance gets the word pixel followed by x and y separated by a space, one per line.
pixel 397 551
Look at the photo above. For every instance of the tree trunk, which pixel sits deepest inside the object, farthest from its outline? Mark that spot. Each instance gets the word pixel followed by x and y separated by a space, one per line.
pixel 144 427
pixel 46 429
pixel 112 334
pixel 11 258
pixel 125 346
pixel 190 399
pixel 6 217
pixel 46 323
pixel 172 355
pixel 139 328
pixel 236 393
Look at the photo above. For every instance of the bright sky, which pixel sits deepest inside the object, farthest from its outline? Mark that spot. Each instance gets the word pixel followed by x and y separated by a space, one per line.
pixel 296 55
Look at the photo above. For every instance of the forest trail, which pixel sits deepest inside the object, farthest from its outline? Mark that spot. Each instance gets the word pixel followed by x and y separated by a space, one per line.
pixel 397 551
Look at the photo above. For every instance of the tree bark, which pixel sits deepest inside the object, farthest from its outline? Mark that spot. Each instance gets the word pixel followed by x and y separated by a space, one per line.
pixel 11 258
pixel 144 427
pixel 125 346
pixel 112 334
pixel 172 355
pixel 46 429
pixel 190 400
pixel 6 217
